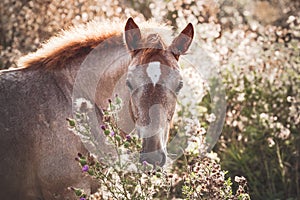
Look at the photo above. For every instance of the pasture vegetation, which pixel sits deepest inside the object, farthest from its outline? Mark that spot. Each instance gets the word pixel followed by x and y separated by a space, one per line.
pixel 255 44
pixel 196 175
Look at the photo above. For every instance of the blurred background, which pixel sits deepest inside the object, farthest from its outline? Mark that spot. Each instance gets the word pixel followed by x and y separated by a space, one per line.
pixel 256 46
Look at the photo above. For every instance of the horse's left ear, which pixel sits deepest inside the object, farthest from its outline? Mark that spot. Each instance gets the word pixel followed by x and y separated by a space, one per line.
pixel 183 41
pixel 132 35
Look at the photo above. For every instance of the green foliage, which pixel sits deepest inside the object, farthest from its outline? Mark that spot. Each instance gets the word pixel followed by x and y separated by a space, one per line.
pixel 260 138
pixel 261 135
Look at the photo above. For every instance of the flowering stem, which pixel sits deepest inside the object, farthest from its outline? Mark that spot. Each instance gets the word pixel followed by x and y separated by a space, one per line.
pixel 123 182
pixel 108 183
pixel 280 162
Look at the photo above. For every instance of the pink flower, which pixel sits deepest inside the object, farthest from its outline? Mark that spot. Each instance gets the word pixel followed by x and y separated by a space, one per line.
pixel 85 168
pixel 145 162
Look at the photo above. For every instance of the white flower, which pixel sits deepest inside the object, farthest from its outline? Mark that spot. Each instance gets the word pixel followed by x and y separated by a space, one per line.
pixel 196 145
pixel 241 97
pixel 213 156
pixel 264 116
pixel 271 142
pixel 202 131
pixel 82 104
pixel 284 133
pixel 211 117
pixel 290 99
pixel 193 145
pixel 239 179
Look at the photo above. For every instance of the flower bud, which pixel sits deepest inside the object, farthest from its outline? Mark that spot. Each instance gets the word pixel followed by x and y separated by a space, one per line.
pixel 91 172
pixel 158 175
pixel 118 100
pixel 78 192
pixel 106 132
pixel 71 122
pixel 128 138
pixel 118 138
pixel 126 144
pixel 82 162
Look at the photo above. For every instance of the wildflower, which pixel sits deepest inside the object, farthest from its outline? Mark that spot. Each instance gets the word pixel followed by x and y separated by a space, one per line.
pixel 82 198
pixel 241 97
pixel 112 133
pixel 213 156
pixel 289 99
pixel 264 116
pixel 82 104
pixel 239 179
pixel 145 163
pixel 202 131
pixel 284 133
pixel 271 142
pixel 211 117
pixel 85 168
pixel 102 127
pixel 128 138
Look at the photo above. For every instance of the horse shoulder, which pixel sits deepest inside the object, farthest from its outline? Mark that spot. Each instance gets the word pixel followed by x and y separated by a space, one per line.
pixel 34 135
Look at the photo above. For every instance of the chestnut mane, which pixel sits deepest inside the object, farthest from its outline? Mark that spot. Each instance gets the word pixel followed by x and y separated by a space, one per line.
pixel 80 40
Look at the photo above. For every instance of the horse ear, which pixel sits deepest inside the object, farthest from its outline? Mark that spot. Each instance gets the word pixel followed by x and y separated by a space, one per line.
pixel 183 41
pixel 132 35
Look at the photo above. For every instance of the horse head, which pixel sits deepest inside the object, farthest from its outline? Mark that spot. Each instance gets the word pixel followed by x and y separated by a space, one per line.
pixel 154 81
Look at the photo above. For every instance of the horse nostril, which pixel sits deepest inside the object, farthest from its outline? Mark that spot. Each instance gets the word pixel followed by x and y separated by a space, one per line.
pixel 156 158
pixel 163 160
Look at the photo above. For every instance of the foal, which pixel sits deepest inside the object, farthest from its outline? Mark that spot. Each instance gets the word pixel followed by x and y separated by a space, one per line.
pixel 36 148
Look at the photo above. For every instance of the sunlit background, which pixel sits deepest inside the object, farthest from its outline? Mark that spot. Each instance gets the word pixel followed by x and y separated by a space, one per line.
pixel 256 47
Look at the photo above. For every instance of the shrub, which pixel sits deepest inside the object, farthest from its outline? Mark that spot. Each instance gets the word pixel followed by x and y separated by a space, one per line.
pixel 260 138
pixel 195 176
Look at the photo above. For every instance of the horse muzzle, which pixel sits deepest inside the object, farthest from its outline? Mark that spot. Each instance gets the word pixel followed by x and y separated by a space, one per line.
pixel 155 158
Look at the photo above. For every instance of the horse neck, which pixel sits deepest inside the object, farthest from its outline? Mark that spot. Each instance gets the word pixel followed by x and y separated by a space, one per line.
pixel 65 77
pixel 95 75
pixel 115 70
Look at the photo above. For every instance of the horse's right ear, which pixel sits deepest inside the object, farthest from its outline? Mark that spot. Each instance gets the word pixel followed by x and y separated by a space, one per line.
pixel 132 35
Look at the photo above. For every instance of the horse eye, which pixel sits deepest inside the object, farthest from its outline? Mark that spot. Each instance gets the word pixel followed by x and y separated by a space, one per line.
pixel 129 84
pixel 180 85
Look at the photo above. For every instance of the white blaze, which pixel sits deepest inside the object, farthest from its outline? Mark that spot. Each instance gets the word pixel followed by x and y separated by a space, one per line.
pixel 153 72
